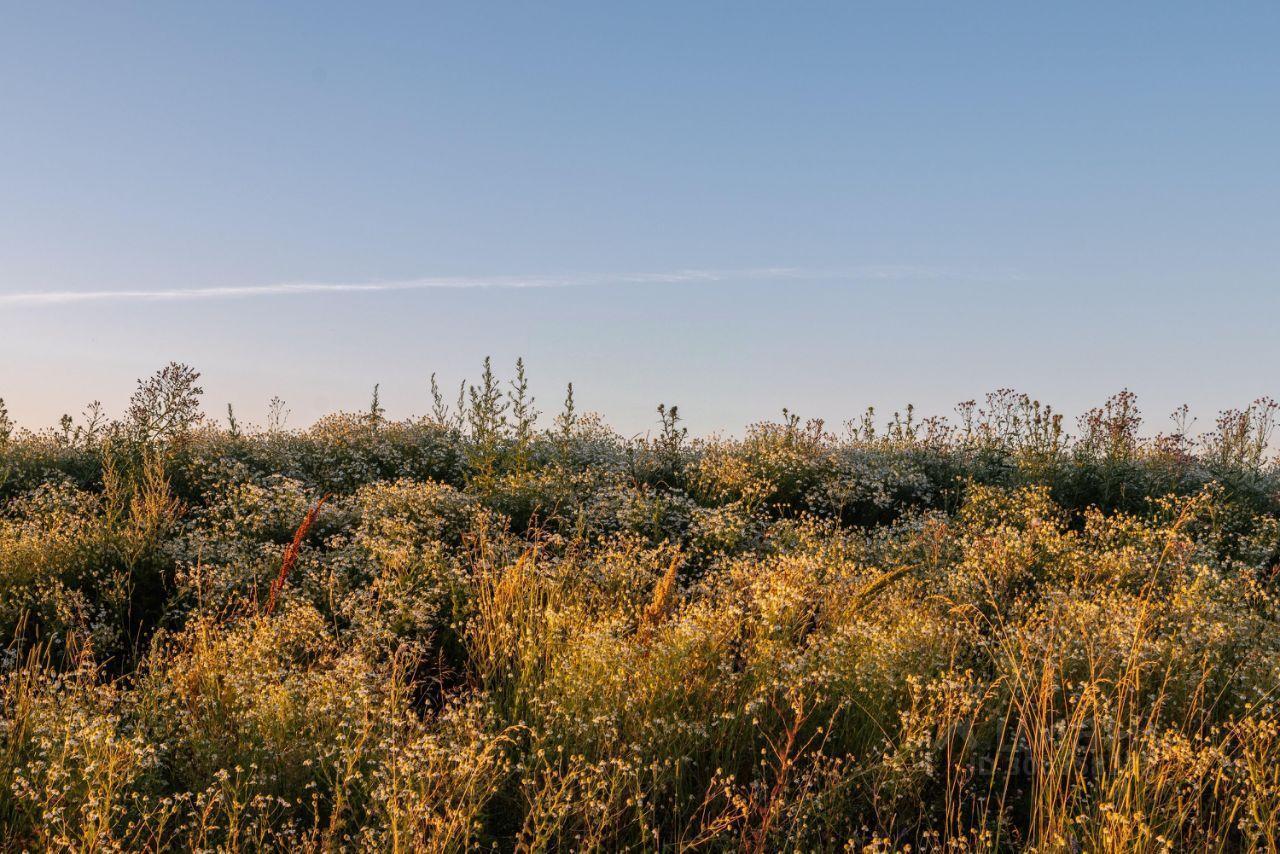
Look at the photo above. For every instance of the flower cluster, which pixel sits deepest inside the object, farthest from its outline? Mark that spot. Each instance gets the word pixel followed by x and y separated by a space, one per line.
pixel 921 637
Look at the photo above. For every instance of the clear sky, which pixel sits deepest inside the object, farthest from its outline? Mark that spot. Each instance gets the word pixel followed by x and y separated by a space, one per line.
pixel 734 207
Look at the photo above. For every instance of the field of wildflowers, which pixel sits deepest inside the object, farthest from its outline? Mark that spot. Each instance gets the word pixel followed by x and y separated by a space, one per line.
pixel 482 629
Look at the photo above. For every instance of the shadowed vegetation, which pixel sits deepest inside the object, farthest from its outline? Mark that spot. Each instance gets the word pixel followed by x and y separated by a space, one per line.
pixel 486 629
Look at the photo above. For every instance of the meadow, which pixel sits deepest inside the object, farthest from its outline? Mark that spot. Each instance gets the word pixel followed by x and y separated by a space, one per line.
pixel 487 628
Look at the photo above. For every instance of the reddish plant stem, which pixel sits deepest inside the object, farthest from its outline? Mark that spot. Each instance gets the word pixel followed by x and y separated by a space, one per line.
pixel 291 553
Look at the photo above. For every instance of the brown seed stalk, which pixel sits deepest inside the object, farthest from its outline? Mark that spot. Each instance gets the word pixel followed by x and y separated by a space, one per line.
pixel 291 553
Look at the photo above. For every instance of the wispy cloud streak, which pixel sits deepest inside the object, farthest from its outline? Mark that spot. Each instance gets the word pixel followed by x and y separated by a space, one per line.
pixel 52 298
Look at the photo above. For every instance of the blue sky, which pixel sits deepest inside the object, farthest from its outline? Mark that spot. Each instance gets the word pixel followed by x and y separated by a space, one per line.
pixel 732 207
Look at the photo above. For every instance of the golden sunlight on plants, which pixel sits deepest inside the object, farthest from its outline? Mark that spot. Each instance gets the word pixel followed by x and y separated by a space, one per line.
pixel 463 632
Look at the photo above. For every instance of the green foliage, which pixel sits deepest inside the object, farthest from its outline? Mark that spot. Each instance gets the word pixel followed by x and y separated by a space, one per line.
pixel 166 405
pixel 982 636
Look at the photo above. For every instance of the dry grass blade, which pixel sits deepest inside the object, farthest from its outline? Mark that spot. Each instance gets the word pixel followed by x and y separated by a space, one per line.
pixel 663 595
pixel 291 553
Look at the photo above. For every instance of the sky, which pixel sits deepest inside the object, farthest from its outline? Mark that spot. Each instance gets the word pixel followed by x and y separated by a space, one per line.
pixel 731 207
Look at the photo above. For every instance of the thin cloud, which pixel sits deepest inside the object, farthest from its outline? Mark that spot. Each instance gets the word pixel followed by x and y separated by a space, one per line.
pixel 52 298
